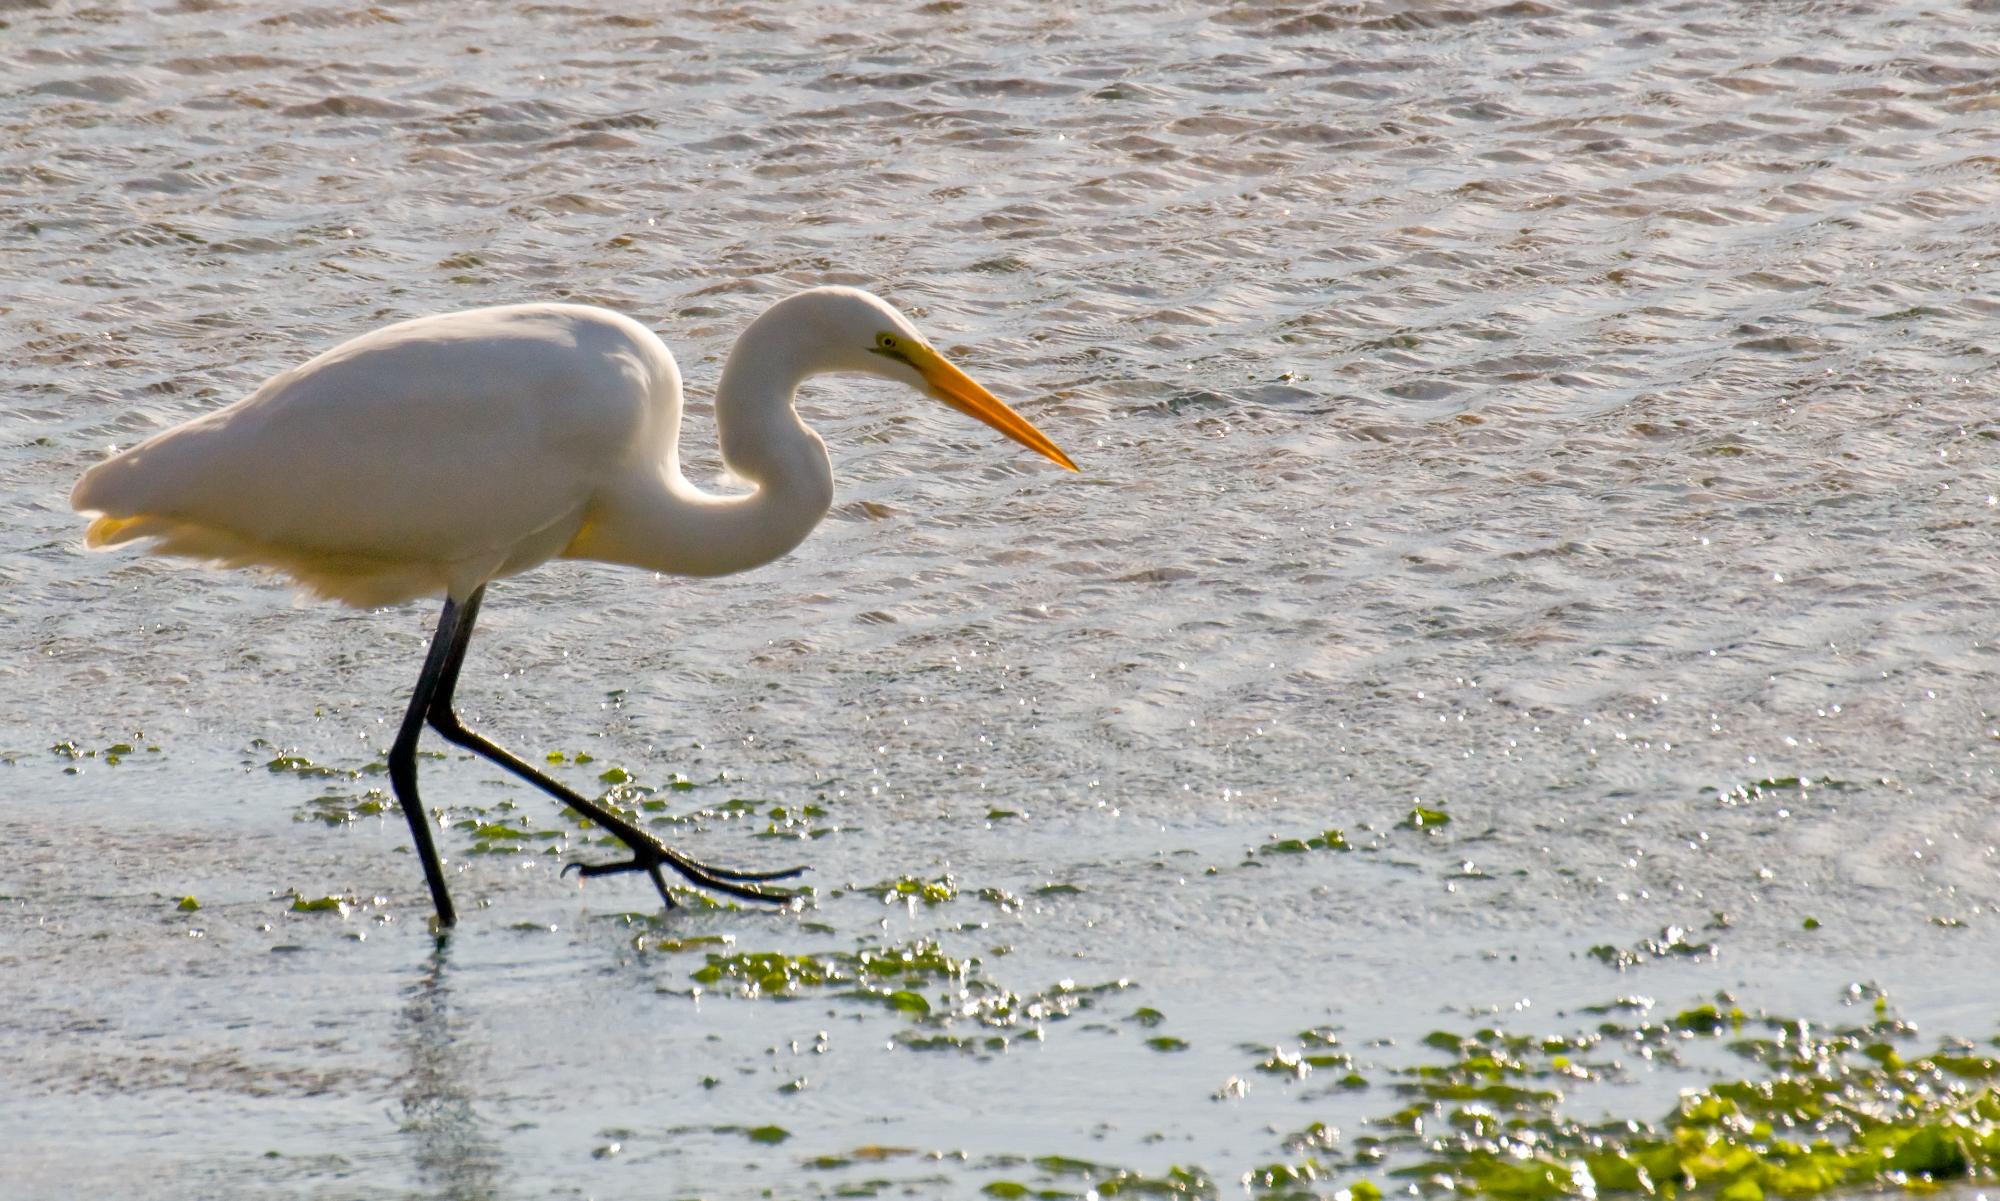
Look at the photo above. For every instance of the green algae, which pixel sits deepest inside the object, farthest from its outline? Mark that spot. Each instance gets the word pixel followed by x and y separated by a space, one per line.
pixel 339 808
pixel 1006 901
pixel 904 1000
pixel 1830 1110
pixel 1326 840
pixel 1706 1019
pixel 1673 942
pixel 299 765
pixel 1067 1177
pixel 872 1153
pixel 502 828
pixel 72 753
pixel 493 831
pixel 305 904
pixel 911 889
pixel 1063 1165
pixel 798 823
pixel 868 972
pixel 1758 790
pixel 1421 817
pixel 1315 1053
pixel 1504 1097
pixel 951 1000
pixel 695 942
pixel 507 828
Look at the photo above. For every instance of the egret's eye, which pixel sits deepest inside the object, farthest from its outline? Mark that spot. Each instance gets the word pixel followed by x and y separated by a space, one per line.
pixel 886 341
pixel 889 346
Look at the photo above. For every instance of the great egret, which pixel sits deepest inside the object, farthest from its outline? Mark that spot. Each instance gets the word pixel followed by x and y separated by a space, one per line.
pixel 436 455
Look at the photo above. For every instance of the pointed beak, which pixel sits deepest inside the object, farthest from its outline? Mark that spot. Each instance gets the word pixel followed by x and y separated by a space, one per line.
pixel 955 388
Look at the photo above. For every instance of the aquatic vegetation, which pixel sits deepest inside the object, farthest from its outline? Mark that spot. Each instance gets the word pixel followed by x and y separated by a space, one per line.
pixel 299 765
pixel 1798 1111
pixel 1829 1111
pixel 913 890
pixel 111 754
pixel 939 992
pixel 1006 901
pixel 1061 1176
pixel 1671 943
pixel 868 1154
pixel 1326 840
pixel 1315 1053
pixel 796 823
pixel 304 904
pixel 507 829
pixel 677 946
pixel 1422 817
pixel 773 974
pixel 339 808
pixel 1706 1019
pixel 1758 790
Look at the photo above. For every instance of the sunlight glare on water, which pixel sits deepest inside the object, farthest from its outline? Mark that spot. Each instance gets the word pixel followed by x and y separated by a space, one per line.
pixel 1574 421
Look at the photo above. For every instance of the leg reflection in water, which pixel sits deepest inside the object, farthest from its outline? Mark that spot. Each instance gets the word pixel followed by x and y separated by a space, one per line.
pixel 454 1157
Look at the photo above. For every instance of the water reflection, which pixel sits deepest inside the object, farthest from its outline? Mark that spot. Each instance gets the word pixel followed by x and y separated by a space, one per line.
pixel 454 1157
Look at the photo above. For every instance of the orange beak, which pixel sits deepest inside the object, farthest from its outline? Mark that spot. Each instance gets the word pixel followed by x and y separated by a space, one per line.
pixel 953 387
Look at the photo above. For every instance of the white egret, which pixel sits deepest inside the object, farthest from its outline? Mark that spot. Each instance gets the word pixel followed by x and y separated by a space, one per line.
pixel 434 456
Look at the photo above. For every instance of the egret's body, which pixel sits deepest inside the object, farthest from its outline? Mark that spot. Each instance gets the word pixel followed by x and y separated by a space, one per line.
pixel 433 456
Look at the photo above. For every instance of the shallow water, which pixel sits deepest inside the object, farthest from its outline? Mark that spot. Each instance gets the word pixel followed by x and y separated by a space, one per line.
pixel 1561 416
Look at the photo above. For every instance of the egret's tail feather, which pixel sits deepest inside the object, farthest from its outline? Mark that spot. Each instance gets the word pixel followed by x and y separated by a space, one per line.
pixel 362 581
pixel 110 531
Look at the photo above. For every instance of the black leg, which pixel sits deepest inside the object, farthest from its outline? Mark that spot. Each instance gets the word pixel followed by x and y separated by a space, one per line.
pixel 403 755
pixel 649 854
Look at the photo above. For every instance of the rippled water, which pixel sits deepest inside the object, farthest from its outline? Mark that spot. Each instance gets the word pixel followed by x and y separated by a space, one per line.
pixel 1561 415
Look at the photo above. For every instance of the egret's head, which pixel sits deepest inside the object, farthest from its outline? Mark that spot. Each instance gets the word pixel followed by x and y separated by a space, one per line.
pixel 867 335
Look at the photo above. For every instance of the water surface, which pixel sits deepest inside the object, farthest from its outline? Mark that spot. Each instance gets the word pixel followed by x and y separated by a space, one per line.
pixel 1561 416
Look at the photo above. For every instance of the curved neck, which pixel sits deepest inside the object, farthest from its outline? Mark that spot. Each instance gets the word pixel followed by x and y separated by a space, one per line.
pixel 763 440
pixel 662 522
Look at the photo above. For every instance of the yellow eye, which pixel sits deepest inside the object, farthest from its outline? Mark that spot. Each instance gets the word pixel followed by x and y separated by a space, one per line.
pixel 886 341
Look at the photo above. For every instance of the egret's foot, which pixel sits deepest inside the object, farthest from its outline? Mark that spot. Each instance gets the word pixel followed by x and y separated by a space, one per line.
pixel 651 856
